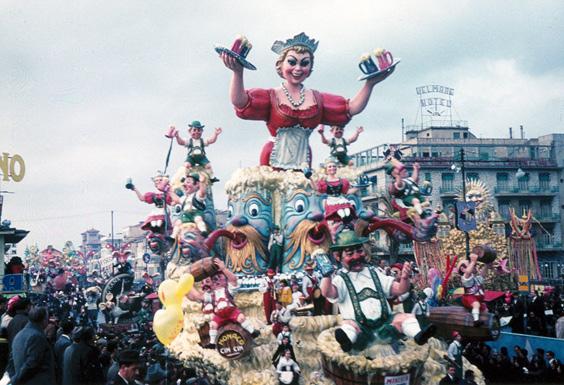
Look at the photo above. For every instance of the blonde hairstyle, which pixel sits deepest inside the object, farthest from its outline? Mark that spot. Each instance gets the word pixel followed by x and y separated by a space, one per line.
pixel 298 49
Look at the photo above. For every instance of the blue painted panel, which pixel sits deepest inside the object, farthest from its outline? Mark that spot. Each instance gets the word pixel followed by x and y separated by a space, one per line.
pixel 531 343
pixel 13 282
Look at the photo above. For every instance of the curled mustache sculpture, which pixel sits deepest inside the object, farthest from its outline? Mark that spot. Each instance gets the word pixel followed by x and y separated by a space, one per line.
pixel 242 249
pixel 307 237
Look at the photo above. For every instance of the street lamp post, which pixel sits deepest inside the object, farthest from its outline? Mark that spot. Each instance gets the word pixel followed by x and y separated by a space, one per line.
pixel 463 171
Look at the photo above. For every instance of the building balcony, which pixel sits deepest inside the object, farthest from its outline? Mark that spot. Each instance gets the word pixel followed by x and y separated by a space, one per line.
pixel 539 190
pixel 547 217
pixel 448 191
pixel 554 246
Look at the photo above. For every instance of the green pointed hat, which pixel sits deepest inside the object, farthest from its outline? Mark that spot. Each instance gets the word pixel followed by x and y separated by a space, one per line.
pixel 196 124
pixel 346 239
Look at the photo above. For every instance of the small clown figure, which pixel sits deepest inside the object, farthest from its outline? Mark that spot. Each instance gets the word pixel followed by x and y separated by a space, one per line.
pixel 195 145
pixel 217 298
pixel 338 144
pixel 472 279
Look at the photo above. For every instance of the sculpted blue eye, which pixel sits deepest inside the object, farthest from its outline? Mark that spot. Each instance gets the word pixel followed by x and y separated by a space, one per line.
pixel 253 210
pixel 304 63
pixel 292 62
pixel 299 205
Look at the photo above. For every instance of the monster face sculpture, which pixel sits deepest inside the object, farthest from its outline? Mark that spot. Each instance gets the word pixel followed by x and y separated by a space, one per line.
pixel 189 245
pixel 250 221
pixel 304 228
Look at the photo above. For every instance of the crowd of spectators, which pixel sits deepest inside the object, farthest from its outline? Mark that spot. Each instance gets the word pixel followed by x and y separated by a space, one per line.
pixel 539 313
pixel 519 365
pixel 52 338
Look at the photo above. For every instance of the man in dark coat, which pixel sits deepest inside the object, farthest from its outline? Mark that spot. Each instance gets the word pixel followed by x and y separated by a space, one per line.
pixel 19 321
pixel 128 368
pixel 81 361
pixel 19 306
pixel 63 342
pixel 32 355
pixel 450 377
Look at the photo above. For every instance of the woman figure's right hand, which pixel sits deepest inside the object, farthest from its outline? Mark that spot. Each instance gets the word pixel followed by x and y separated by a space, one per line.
pixel 231 63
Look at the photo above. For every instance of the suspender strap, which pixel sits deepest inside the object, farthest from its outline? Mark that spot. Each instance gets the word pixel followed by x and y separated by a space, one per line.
pixel 364 294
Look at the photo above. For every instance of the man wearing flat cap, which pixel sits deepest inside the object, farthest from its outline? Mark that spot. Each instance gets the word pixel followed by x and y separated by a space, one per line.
pixel 128 361
pixel 361 292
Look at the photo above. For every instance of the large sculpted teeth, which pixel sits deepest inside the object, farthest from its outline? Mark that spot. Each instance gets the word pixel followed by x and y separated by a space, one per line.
pixel 342 213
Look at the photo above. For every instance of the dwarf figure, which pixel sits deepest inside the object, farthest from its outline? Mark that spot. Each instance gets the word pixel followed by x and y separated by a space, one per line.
pixel 405 187
pixel 217 297
pixel 361 293
pixel 472 279
pixel 189 208
pixel 338 144
pixel 196 155
pixel 157 221
pixel 397 302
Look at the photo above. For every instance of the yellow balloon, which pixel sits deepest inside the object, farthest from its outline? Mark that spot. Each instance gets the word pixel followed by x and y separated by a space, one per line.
pixel 167 293
pixel 185 284
pixel 167 324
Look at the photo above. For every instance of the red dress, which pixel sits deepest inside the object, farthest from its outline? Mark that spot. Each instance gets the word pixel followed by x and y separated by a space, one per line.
pixel 158 213
pixel 285 150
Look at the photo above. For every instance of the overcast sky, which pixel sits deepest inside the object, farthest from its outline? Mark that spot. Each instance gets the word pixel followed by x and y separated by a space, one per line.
pixel 87 88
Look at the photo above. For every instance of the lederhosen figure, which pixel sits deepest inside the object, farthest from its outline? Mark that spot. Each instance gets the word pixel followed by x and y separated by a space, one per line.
pixel 339 150
pixel 196 152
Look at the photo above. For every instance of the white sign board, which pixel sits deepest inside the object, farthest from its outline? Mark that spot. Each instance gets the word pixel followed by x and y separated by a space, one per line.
pixel 397 380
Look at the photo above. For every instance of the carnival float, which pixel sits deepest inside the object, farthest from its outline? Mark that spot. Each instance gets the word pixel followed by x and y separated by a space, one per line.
pixel 290 272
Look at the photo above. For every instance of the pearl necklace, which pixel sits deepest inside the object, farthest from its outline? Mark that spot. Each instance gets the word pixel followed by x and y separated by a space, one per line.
pixel 291 100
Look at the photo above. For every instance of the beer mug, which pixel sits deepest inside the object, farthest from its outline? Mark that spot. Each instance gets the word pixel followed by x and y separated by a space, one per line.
pixel 324 264
pixel 367 65
pixel 385 58
pixel 129 184
pixel 486 254
pixel 236 47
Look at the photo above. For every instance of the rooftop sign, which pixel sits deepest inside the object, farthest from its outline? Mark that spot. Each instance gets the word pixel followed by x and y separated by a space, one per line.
pixel 429 98
pixel 12 167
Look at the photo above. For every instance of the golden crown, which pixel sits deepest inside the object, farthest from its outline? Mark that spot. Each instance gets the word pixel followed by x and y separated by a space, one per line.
pixel 301 39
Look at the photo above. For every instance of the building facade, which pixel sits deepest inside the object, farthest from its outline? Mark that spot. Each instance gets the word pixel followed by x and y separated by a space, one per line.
pixel 520 173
